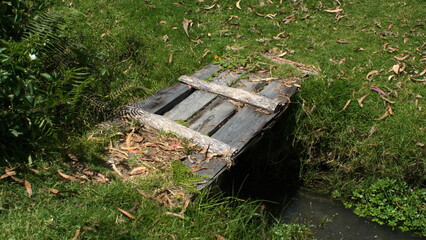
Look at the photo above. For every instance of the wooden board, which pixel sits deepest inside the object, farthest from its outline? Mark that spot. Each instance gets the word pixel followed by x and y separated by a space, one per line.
pixel 245 124
pixel 167 98
pixel 162 123
pixel 259 101
pixel 197 100
pixel 210 119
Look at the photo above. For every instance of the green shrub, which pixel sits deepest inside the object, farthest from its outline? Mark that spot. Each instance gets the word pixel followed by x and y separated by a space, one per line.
pixel 391 202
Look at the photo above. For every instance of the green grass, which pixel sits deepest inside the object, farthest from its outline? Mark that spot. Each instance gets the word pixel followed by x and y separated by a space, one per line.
pixel 342 151
pixel 92 208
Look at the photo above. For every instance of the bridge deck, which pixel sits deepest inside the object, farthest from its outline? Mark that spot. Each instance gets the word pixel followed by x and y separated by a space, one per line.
pixel 234 123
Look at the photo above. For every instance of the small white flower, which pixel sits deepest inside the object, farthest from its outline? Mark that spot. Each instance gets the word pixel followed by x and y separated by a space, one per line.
pixel 32 56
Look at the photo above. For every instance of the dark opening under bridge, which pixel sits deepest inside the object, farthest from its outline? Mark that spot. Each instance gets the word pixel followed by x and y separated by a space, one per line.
pixel 224 111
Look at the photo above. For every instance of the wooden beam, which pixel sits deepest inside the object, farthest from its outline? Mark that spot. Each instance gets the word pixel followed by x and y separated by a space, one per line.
pixel 162 123
pixel 240 95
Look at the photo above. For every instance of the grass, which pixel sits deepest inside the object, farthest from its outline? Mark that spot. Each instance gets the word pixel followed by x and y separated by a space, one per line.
pixel 345 151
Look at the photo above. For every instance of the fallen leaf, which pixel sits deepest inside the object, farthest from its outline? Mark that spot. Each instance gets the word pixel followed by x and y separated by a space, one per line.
pixel 35 171
pixel 72 157
pixel 383 117
pixel 28 187
pixel 104 179
pixel 420 144
pixel 346 105
pixel 54 191
pixel 129 138
pixel 401 58
pixel 88 228
pixel 405 40
pixel 386 99
pixel 370 75
pixel 68 177
pixel 374 88
pixel 16 179
pixel 361 99
pixel 186 24
pixel 210 7
pixel 390 109
pixel 396 69
pixel 8 173
pixel 139 171
pixel 220 237
pixel 77 233
pixel 128 148
pixel 170 58
pixel 238 4
pixel 390 26
pixel 342 41
pixel 337 10
pixel 126 214
pixel 162 22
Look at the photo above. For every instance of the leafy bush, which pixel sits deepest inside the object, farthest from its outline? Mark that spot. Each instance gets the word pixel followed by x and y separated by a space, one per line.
pixel 391 202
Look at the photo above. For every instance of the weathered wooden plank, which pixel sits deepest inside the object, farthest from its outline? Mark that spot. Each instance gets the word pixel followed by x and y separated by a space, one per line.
pixel 245 124
pixel 166 98
pixel 210 119
pixel 265 103
pixel 162 123
pixel 197 100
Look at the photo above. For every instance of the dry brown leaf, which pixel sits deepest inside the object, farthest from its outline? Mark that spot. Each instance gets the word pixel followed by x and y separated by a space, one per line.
pixel 402 58
pixel 9 172
pixel 220 237
pixel 237 4
pixel 186 24
pixel 346 105
pixel 28 187
pixel 390 109
pixel 361 99
pixel 35 171
pixel 170 61
pixel 162 22
pixel 405 40
pixel 337 10
pixel 88 228
pixel 420 144
pixel 139 171
pixel 370 75
pixel 54 191
pixel 68 177
pixel 129 138
pixel 396 69
pixel 126 214
pixel 384 116
pixel 210 7
pixel 105 179
pixel 77 233
pixel 128 148
pixel 176 215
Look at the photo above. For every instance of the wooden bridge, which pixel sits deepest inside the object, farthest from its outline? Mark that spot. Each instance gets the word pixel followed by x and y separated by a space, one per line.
pixel 224 111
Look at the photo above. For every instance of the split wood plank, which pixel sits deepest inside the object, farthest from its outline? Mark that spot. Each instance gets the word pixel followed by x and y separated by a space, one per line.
pixel 248 122
pixel 162 123
pixel 263 102
pixel 163 100
pixel 219 111
pixel 208 121
pixel 199 99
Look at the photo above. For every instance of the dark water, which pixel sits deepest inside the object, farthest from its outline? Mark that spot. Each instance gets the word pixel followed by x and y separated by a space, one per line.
pixel 331 220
